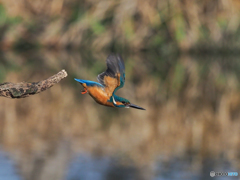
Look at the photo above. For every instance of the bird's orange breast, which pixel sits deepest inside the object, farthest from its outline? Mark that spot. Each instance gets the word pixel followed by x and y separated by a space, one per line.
pixel 99 95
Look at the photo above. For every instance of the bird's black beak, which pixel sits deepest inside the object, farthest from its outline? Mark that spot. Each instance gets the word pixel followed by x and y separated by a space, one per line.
pixel 135 106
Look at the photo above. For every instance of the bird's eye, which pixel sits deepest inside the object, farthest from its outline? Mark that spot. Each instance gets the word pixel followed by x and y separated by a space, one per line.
pixel 125 103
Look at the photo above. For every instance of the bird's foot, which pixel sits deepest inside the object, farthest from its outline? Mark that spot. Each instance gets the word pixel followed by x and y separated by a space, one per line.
pixel 84 91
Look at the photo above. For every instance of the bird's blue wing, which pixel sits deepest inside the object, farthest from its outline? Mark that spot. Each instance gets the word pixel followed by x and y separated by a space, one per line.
pixel 114 77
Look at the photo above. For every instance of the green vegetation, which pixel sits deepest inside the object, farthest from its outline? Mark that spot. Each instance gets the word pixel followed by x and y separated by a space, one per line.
pixel 164 26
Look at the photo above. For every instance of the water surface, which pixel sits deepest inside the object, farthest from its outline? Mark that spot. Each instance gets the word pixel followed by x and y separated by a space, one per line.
pixel 191 125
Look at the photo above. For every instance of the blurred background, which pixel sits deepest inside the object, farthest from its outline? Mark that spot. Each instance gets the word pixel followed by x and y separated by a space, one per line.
pixel 182 65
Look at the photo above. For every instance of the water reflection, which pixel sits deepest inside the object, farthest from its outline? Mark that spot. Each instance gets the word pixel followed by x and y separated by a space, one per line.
pixel 7 168
pixel 99 168
pixel 192 103
pixel 87 167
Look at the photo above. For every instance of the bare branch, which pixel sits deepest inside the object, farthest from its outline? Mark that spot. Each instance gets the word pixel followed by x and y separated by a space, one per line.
pixel 24 89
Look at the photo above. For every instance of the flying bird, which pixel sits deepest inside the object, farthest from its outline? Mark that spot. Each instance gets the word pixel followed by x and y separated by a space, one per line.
pixel 103 91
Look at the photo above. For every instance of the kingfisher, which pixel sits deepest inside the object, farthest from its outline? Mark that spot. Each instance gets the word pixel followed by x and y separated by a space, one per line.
pixel 109 81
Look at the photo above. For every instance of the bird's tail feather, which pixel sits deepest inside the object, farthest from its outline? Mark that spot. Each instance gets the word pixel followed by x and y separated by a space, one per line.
pixel 79 80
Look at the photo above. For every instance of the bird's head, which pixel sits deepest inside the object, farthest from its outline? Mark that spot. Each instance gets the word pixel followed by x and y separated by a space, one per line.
pixel 121 102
